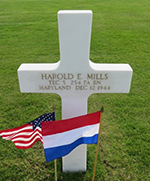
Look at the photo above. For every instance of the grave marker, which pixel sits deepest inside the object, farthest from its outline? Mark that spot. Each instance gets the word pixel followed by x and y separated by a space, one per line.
pixel 75 77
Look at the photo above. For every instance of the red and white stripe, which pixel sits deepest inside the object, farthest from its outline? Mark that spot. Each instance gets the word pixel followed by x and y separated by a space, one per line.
pixel 23 137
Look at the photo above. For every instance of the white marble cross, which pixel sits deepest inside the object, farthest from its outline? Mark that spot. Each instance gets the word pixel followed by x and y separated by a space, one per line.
pixel 75 77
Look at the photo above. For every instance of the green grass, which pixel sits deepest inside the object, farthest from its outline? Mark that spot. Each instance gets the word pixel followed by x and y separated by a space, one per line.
pixel 120 34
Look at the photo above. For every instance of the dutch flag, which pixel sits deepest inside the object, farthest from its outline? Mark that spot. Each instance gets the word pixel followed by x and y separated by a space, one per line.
pixel 61 137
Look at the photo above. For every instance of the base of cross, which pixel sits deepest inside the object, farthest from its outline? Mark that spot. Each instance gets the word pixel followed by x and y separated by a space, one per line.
pixel 74 162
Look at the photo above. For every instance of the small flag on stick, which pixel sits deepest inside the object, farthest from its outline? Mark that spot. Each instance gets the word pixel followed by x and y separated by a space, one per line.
pixel 25 136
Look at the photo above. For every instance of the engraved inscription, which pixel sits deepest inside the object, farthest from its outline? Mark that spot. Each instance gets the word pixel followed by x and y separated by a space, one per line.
pixel 78 82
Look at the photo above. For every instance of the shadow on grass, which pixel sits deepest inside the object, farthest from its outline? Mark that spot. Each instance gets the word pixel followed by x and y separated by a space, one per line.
pixel 68 176
pixel 71 176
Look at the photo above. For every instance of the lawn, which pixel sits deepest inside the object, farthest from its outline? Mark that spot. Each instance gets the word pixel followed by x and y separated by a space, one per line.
pixel 120 34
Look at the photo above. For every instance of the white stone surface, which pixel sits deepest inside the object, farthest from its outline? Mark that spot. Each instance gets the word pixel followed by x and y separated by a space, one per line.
pixel 75 77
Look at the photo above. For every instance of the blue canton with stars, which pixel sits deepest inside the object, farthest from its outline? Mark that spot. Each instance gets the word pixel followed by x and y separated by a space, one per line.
pixel 44 118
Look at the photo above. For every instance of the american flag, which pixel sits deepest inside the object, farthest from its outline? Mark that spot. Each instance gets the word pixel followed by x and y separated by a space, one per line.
pixel 25 136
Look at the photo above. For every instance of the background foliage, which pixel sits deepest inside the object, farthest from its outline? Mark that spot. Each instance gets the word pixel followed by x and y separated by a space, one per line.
pixel 120 34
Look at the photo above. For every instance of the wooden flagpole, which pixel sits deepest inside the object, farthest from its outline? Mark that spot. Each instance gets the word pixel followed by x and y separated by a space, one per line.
pixel 55 162
pixel 98 142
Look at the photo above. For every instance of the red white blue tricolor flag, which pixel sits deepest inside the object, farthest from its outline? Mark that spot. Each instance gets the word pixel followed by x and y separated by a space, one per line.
pixel 25 136
pixel 61 137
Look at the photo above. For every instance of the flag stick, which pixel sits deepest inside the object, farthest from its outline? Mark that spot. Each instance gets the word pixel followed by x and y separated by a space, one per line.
pixel 98 142
pixel 55 161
